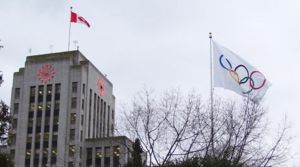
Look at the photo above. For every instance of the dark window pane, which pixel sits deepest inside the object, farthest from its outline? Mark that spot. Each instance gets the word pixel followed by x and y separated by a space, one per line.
pixel 48 98
pixel 47 128
pixel 55 128
pixel 40 98
pixel 74 87
pixel 39 114
pixel 28 145
pixel 17 93
pixel 32 99
pixel 83 89
pixel 32 91
pixel 106 162
pixel 48 113
pixel 73 102
pixel 16 108
pixel 45 144
pixel 27 162
pixel 29 130
pixel 37 145
pixel 57 96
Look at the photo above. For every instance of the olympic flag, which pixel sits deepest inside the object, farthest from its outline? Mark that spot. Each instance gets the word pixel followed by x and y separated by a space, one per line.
pixel 233 73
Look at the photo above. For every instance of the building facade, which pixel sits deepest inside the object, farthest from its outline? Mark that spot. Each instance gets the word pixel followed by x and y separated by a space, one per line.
pixel 59 102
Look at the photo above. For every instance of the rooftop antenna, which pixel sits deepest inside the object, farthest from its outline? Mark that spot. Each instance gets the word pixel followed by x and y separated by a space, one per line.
pixel 29 50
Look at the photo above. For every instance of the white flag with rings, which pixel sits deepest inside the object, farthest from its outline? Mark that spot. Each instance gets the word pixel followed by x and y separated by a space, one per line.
pixel 233 73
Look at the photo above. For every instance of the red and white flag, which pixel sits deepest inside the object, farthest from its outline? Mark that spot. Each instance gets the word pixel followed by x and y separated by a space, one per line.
pixel 78 19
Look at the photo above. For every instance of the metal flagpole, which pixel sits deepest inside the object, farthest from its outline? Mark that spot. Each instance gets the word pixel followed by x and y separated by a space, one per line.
pixel 69 32
pixel 211 95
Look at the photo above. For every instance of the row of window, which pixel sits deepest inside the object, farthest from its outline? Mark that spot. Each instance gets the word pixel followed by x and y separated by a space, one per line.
pixel 42 138
pixel 103 155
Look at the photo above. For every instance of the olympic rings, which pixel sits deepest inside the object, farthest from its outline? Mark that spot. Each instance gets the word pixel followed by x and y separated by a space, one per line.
pixel 252 83
pixel 241 80
pixel 230 66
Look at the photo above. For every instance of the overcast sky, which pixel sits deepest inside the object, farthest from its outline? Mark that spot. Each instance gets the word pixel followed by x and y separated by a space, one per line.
pixel 163 44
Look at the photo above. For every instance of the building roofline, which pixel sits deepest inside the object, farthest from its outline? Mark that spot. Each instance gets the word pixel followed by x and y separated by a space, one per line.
pixel 64 54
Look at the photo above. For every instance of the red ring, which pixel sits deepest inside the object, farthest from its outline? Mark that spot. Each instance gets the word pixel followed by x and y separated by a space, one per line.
pixel 252 83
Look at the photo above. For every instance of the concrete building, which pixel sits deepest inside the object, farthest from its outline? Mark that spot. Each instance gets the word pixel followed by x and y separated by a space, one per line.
pixel 64 114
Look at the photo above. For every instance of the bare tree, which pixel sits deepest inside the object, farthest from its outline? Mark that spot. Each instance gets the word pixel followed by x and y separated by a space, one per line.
pixel 174 126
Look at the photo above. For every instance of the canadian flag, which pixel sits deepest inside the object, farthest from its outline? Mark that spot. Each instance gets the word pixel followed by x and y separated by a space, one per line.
pixel 75 18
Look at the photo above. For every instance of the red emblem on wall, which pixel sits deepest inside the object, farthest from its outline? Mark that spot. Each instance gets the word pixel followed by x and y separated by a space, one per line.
pixel 101 88
pixel 45 73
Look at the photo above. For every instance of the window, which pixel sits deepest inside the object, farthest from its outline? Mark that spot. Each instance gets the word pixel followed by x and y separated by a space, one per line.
pixel 98 156
pixel 116 157
pixel 36 157
pixel 49 92
pixel 30 125
pixel 83 89
pixel 108 120
pixel 56 108
pixel 16 108
pixel 57 88
pixel 46 140
pixel 12 154
pixel 48 108
pixel 71 150
pixel 89 152
pixel 82 120
pixel 82 104
pixel 47 124
pixel 45 156
pixel 74 87
pixel 32 91
pixel 104 117
pixel 27 157
pixel 94 111
pixel 12 139
pixel 80 152
pixel 73 102
pixel 15 123
pixel 40 93
pixel 39 109
pixel 72 134
pixel 17 93
pixel 28 143
pixel 57 91
pixel 53 155
pixel 71 164
pixel 55 123
pixel 38 124
pixel 73 118
pixel 31 107
pixel 54 140
pixel 56 105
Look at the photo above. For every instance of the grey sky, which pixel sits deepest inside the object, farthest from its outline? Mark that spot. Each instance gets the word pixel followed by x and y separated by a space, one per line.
pixel 162 43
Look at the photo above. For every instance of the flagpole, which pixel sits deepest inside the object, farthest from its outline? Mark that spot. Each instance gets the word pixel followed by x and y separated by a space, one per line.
pixel 69 32
pixel 211 95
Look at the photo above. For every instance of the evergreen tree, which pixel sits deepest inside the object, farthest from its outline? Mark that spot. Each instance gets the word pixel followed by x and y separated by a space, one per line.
pixel 136 154
pixel 136 160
